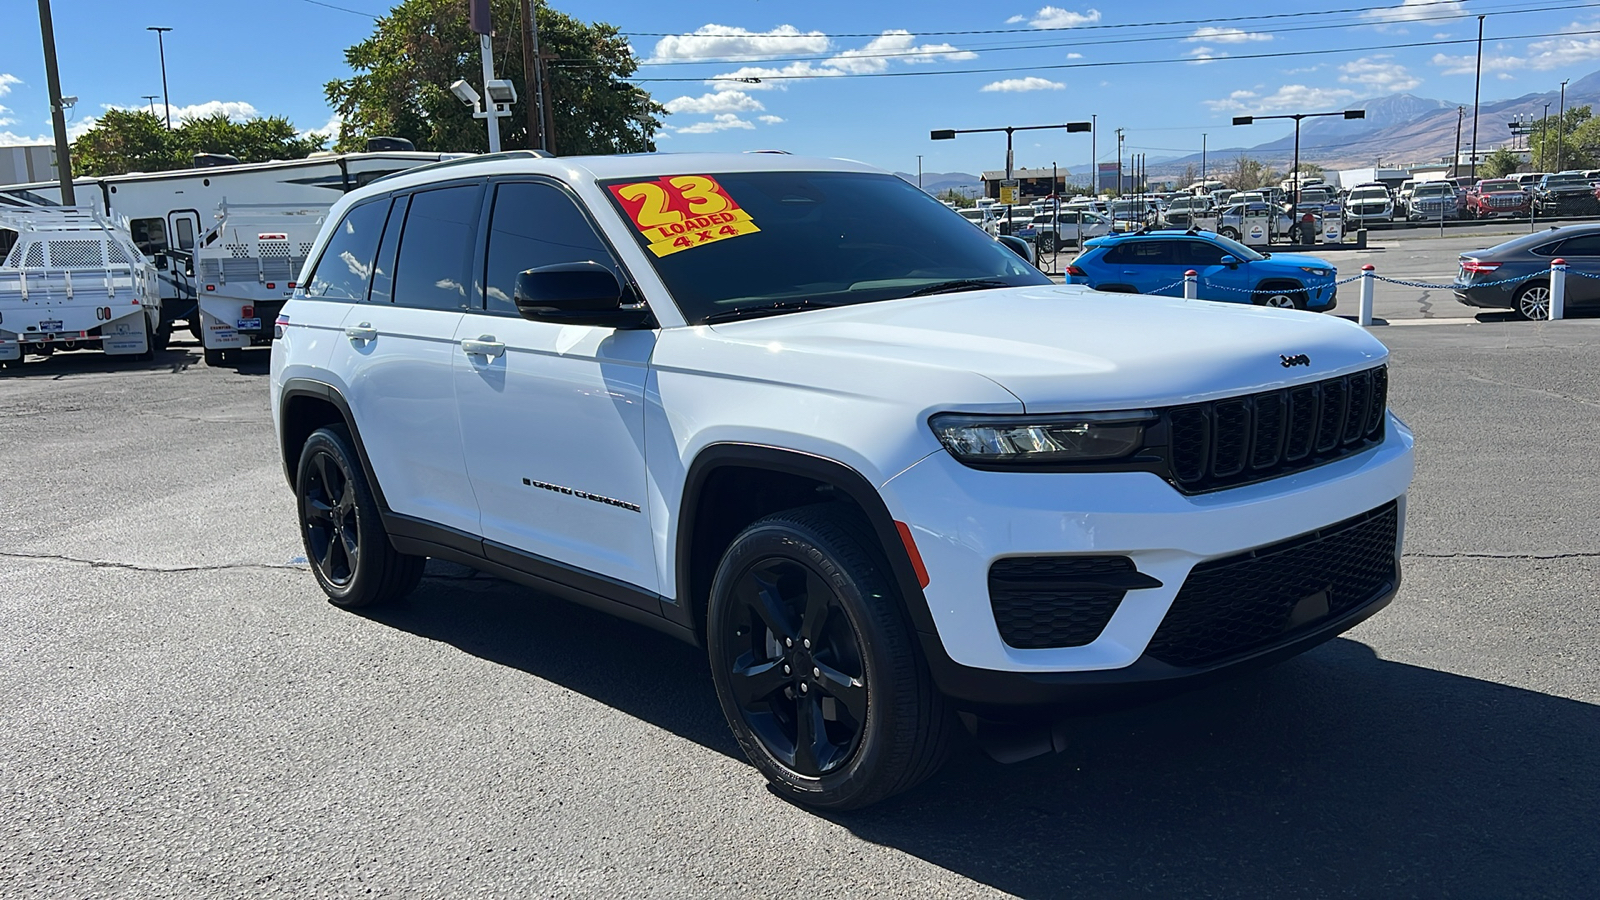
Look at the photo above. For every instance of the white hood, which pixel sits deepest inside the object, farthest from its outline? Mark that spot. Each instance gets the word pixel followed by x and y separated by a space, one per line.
pixel 1066 348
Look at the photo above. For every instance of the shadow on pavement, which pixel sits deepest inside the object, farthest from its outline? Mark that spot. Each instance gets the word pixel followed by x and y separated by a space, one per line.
pixel 1334 774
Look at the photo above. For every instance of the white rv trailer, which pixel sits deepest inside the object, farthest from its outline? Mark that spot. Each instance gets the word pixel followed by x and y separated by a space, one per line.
pixel 245 268
pixel 163 209
pixel 70 279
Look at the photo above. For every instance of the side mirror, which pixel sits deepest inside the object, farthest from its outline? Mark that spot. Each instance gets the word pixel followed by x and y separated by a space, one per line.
pixel 160 261
pixel 581 293
pixel 1231 261
pixel 1018 246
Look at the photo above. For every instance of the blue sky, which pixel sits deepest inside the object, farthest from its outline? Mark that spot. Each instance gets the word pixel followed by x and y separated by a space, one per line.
pixel 866 87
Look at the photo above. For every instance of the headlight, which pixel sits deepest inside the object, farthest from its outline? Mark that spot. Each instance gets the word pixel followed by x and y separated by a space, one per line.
pixel 1314 271
pixel 1042 439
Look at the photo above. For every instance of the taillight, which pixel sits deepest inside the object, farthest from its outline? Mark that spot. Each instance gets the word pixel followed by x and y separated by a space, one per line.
pixel 1076 271
pixel 247 312
pixel 1472 265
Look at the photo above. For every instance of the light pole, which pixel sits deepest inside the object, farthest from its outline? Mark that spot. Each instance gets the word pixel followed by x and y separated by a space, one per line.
pixel 1477 84
pixel 161 44
pixel 919 171
pixel 58 114
pixel 1561 126
pixel 1203 161
pixel 1455 163
pixel 1119 163
pixel 1544 136
pixel 1348 114
pixel 152 100
pixel 949 134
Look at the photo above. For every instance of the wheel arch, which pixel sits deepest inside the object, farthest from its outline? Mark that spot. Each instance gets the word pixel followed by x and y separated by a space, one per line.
pixel 730 485
pixel 308 405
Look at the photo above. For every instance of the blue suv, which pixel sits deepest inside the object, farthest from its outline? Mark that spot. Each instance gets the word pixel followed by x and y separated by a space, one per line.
pixel 1153 262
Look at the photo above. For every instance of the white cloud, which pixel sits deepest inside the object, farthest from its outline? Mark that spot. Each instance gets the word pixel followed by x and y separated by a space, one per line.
pixel 330 131
pixel 1203 55
pixel 1014 20
pixel 1074 56
pixel 1506 76
pixel 6 81
pixel 895 45
pixel 715 41
pixel 770 120
pixel 237 110
pixel 12 139
pixel 721 122
pixel 1017 85
pixel 1227 35
pixel 902 43
pixel 1289 97
pixel 1413 10
pixel 1378 73
pixel 720 102
pixel 1056 17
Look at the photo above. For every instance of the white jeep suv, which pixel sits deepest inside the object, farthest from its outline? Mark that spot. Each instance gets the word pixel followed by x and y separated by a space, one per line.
pixel 894 480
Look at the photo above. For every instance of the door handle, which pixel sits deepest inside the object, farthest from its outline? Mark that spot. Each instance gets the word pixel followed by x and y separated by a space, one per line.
pixel 484 345
pixel 362 332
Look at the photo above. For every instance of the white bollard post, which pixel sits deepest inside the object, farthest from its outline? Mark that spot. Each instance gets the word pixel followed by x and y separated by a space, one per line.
pixel 1191 285
pixel 1558 288
pixel 1368 279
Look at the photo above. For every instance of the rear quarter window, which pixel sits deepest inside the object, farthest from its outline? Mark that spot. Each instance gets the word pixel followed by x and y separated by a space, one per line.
pixel 344 270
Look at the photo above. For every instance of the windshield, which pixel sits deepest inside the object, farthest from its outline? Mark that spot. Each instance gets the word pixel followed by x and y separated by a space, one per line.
pixel 1432 190
pixel 1566 179
pixel 739 240
pixel 975 215
pixel 1369 194
pixel 1506 185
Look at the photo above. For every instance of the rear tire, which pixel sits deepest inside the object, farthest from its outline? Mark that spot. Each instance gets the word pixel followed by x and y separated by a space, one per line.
pixel 345 541
pixel 816 667
pixel 1229 232
pixel 1047 243
pixel 163 336
pixel 1532 301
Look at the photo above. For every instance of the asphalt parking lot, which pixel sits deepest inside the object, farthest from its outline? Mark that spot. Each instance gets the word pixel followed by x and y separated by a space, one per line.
pixel 184 715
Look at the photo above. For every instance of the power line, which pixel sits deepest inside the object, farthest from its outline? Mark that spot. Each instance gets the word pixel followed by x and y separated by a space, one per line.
pixel 1256 18
pixel 1116 63
pixel 1181 36
pixel 345 9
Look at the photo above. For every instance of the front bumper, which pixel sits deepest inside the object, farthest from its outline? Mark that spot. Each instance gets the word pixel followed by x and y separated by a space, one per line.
pixel 963 520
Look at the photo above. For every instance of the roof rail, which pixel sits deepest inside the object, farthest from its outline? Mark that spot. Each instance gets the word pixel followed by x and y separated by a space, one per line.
pixel 465 160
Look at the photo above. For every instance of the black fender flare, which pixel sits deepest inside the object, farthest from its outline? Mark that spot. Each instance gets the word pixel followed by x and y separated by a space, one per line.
pixel 819 468
pixel 327 393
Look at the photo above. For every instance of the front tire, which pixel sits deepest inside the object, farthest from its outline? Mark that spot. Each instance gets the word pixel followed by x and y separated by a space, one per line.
pixel 346 544
pixel 1279 297
pixel 816 667
pixel 1047 243
pixel 1229 232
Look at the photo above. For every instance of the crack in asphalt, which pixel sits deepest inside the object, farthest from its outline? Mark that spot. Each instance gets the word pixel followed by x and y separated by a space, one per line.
pixel 1528 387
pixel 1575 555
pixel 158 570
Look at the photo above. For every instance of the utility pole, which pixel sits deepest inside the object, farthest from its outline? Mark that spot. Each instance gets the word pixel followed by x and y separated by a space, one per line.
pixel 1094 162
pixel 1455 162
pixel 1544 138
pixel 1477 86
pixel 539 137
pixel 1119 162
pixel 1561 127
pixel 161 44
pixel 58 115
pixel 919 171
pixel 1203 160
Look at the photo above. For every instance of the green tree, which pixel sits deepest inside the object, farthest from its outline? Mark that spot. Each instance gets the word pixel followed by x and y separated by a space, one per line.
pixel 1568 141
pixel 138 141
pixel 1499 164
pixel 403 72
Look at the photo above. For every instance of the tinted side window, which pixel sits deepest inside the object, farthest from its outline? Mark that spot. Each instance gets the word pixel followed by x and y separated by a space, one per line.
pixel 535 225
pixel 383 269
pixel 1201 253
pixel 436 248
pixel 1143 253
pixel 1582 245
pixel 345 267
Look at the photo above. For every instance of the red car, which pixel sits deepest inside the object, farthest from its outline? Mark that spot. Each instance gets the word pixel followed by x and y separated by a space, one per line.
pixel 1493 197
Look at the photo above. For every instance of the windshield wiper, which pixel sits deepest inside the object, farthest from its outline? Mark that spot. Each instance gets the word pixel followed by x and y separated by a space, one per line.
pixel 960 284
pixel 764 309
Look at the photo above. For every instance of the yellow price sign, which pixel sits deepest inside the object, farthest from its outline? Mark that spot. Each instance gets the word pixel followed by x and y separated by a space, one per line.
pixel 679 212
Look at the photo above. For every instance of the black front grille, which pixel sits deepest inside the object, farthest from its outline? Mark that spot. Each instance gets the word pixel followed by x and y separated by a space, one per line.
pixel 1056 601
pixel 1249 601
pixel 1246 439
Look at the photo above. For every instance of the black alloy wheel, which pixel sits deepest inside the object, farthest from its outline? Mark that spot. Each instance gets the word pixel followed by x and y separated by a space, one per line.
pixel 328 508
pixel 346 544
pixel 798 676
pixel 816 666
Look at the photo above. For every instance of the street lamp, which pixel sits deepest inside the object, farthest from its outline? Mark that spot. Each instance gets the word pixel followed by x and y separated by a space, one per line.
pixel 1348 114
pixel 949 134
pixel 1561 126
pixel 162 46
pixel 152 99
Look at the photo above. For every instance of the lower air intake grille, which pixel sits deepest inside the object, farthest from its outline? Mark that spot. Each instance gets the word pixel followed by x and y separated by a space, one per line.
pixel 1245 602
pixel 1056 601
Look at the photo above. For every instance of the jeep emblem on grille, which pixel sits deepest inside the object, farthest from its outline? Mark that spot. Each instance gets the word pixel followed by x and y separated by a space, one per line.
pixel 1298 360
